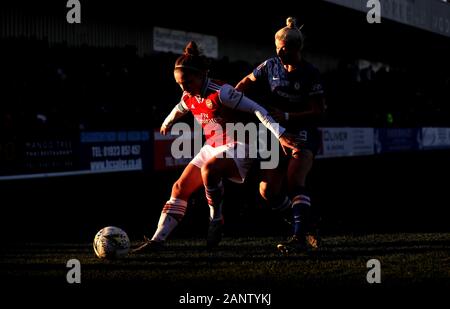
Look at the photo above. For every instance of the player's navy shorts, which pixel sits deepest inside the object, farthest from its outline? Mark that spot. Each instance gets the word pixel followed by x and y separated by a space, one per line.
pixel 308 139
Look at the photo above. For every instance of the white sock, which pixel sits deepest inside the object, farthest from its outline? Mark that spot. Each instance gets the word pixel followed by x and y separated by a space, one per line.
pixel 215 213
pixel 214 196
pixel 166 225
pixel 171 214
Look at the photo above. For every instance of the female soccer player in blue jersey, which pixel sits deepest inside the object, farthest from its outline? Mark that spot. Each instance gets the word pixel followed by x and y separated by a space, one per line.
pixel 296 101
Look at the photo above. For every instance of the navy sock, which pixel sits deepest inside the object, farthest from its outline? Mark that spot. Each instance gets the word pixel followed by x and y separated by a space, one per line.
pixel 301 207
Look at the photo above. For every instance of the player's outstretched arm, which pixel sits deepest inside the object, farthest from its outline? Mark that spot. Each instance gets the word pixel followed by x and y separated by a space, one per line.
pixel 177 112
pixel 246 82
pixel 234 99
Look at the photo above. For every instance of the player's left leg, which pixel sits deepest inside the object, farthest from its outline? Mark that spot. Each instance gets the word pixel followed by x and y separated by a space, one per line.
pixel 174 209
pixel 299 166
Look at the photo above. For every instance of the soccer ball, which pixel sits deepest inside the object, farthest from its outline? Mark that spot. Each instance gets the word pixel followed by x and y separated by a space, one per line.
pixel 111 243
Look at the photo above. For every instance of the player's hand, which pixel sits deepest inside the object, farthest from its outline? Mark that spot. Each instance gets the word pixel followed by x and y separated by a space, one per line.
pixel 289 141
pixel 164 130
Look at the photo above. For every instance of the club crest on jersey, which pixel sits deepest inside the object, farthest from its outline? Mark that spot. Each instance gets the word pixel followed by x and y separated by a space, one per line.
pixel 209 104
pixel 297 86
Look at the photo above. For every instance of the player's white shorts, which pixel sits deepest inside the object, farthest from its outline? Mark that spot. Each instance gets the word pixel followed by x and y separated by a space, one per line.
pixel 238 151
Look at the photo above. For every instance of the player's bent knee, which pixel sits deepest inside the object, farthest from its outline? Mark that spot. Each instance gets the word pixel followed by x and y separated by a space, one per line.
pixel 209 169
pixel 180 191
pixel 176 188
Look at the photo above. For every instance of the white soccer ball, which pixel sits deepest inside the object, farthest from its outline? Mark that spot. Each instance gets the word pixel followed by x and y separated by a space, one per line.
pixel 111 243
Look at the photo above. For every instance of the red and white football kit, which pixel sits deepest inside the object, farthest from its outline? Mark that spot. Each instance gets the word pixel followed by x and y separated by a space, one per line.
pixel 213 109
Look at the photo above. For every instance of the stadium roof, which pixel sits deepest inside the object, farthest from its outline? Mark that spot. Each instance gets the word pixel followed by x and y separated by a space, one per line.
pixel 433 16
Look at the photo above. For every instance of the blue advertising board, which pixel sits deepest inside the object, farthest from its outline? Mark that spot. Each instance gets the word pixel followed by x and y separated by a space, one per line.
pixel 397 139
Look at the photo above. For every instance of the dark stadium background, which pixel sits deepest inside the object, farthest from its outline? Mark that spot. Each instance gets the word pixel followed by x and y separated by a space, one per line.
pixel 116 82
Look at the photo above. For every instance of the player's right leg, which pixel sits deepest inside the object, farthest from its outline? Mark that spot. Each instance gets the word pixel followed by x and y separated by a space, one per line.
pixel 304 233
pixel 230 161
pixel 175 208
pixel 213 172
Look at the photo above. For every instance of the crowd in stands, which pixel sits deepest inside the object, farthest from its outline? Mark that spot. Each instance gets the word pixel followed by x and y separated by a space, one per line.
pixel 94 88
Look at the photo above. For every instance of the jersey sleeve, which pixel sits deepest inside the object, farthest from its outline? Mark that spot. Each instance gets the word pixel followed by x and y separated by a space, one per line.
pixel 316 84
pixel 229 96
pixel 236 100
pixel 178 110
pixel 260 72
pixel 182 106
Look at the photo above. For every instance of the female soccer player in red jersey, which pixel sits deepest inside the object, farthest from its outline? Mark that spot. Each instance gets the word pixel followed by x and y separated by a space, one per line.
pixel 213 104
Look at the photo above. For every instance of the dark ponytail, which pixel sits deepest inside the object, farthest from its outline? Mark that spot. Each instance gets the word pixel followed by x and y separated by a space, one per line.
pixel 191 49
pixel 192 60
